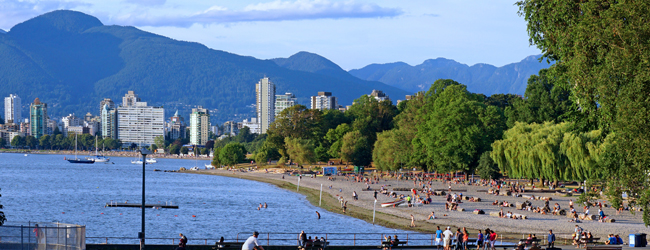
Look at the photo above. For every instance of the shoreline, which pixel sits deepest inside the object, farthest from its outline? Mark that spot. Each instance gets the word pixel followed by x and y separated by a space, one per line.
pixel 330 203
pixel 109 154
pixel 399 218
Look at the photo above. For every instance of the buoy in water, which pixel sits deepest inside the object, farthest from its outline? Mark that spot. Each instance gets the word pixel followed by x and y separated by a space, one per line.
pixel 175 215
pixel 62 212
pixel 193 215
pixel 102 213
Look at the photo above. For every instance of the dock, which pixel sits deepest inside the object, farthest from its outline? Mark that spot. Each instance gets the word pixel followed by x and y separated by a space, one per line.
pixel 117 204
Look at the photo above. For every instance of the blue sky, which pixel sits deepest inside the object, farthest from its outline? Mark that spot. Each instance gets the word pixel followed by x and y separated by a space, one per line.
pixel 352 33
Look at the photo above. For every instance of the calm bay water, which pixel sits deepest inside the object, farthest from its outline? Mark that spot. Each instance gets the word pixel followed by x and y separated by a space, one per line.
pixel 46 188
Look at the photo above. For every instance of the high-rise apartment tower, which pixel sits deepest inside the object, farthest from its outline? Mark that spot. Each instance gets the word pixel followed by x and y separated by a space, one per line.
pixel 265 103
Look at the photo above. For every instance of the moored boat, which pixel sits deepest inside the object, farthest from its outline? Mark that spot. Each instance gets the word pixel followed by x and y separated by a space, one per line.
pixel 393 203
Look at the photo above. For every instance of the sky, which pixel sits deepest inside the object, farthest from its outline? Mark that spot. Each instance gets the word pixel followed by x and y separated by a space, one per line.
pixel 351 33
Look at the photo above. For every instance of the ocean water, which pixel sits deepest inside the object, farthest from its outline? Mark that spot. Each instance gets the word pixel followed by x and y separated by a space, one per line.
pixel 45 188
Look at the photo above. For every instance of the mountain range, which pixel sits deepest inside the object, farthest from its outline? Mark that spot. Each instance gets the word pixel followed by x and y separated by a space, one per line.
pixel 72 61
pixel 479 78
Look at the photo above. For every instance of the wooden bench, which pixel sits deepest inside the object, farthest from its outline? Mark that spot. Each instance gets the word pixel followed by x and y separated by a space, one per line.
pixel 591 241
pixel 388 244
pixel 605 247
pixel 315 245
pixel 227 245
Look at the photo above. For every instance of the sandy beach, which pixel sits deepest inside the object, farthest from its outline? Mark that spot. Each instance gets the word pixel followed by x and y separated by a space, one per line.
pixel 399 217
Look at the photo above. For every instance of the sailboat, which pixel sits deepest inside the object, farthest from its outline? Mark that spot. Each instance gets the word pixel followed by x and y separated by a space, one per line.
pixel 97 157
pixel 77 160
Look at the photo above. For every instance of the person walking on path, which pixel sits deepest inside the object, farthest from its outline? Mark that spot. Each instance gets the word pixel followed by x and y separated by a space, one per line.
pixel 551 239
pixel 438 237
pixel 302 238
pixel 183 240
pixel 447 240
pixel 459 239
pixel 251 243
pixel 465 238
pixel 412 221
pixel 479 240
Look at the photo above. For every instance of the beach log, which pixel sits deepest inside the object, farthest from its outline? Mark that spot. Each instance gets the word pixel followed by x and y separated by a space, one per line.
pixel 523 217
pixel 588 217
pixel 520 205
pixel 610 220
pixel 569 215
pixel 439 193
pixel 525 196
pixel 466 198
pixel 460 209
pixel 478 211
pixel 562 212
pixel 495 214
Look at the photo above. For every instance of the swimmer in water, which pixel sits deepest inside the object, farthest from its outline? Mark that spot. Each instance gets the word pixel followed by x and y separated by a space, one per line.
pixel 317 213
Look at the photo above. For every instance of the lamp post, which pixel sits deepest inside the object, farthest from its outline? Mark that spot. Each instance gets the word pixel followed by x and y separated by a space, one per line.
pixel 144 153
pixel 374 207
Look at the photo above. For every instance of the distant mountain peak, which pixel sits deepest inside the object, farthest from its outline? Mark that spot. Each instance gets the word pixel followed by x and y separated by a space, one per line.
pixel 307 61
pixel 479 78
pixel 59 20
pixel 2 31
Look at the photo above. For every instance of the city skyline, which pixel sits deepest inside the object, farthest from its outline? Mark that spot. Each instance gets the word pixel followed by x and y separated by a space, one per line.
pixel 351 33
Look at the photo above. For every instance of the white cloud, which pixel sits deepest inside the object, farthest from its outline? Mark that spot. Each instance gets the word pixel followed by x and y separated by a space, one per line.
pixel 147 2
pixel 278 10
pixel 15 11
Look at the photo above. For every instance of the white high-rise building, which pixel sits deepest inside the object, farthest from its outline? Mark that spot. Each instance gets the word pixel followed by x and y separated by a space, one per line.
pixel 265 103
pixel 323 101
pixel 285 101
pixel 138 123
pixel 109 121
pixel 199 126
pixel 252 124
pixel 13 109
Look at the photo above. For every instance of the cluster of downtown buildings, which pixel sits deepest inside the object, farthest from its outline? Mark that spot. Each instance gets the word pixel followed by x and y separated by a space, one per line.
pixel 135 122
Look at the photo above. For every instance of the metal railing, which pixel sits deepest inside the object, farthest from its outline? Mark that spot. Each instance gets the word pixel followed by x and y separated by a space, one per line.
pixel 56 236
pixel 289 239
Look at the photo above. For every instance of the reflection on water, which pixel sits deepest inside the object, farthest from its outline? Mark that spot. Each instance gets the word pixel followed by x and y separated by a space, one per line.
pixel 47 188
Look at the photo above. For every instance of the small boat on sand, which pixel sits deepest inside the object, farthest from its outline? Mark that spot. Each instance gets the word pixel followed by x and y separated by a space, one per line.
pixel 394 203
pixel 209 166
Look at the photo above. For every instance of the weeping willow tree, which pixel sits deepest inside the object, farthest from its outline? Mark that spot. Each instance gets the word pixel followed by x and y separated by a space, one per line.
pixel 551 152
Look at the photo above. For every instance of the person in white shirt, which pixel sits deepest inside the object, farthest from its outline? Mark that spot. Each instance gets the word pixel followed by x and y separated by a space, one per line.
pixel 447 238
pixel 251 243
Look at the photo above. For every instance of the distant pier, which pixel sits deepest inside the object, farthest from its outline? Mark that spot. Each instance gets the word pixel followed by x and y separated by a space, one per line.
pixel 117 204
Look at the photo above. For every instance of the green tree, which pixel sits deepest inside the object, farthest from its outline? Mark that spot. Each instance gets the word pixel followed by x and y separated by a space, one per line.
pixel 385 152
pixel 542 102
pixel 300 150
pixel 457 129
pixel 215 157
pixel 2 142
pixel 184 150
pixel 266 153
pixel 371 117
pixel 31 141
pixel 602 54
pixel 232 154
pixel 44 141
pixel 294 122
pixel 355 149
pixel 154 147
pixel 335 136
pixel 321 153
pixel 487 169
pixel 205 151
pixel 174 149
pixel 18 141
pixel 160 141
